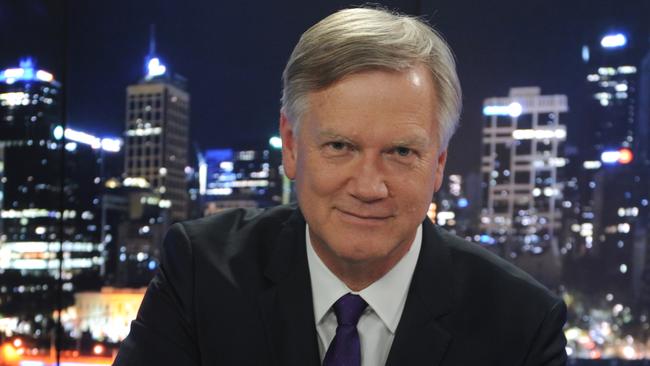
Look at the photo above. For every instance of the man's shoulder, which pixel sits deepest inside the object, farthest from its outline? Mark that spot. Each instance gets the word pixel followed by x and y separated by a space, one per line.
pixel 237 220
pixel 482 271
pixel 232 232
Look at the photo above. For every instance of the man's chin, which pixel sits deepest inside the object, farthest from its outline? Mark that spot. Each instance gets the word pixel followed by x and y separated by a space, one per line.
pixel 359 254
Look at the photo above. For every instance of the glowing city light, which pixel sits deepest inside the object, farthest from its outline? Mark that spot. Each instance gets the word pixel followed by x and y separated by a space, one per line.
pixel 26 72
pixel 227 166
pixel 275 142
pixel 203 177
pixel 622 156
pixel 540 134
pixel 513 110
pixel 155 68
pixel 592 164
pixel 486 239
pixel 585 53
pixel 613 40
pixel 593 77
pixel 111 144
pixel 626 69
pixel 144 131
pixel 607 71
pixel 44 76
pixel 625 156
pixel 623 268
pixel 136 182
pixel 14 99
pixel 14 73
pixel 106 144
pixel 219 191
pixel 71 146
pixel 83 138
pixel 57 132
pixel 609 157
pixel 621 87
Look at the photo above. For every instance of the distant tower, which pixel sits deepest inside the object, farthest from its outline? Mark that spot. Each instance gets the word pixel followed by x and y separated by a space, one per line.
pixel 157 133
pixel 610 174
pixel 522 152
pixel 50 181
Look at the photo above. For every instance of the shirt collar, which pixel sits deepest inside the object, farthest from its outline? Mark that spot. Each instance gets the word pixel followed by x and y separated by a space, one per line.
pixel 386 296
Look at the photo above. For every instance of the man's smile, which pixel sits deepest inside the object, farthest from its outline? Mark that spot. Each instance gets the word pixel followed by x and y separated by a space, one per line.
pixel 359 217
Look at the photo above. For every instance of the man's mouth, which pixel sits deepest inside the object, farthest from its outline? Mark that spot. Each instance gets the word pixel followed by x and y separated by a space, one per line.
pixel 368 217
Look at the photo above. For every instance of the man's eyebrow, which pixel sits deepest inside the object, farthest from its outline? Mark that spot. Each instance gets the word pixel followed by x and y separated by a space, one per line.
pixel 418 141
pixel 414 141
pixel 331 135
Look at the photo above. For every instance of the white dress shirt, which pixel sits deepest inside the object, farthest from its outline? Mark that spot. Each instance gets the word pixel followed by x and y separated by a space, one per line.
pixel 385 297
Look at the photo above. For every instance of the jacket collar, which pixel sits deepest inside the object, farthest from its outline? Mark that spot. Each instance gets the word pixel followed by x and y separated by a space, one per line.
pixel 420 338
pixel 286 306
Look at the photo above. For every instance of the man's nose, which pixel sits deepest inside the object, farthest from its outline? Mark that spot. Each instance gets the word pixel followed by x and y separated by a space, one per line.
pixel 368 182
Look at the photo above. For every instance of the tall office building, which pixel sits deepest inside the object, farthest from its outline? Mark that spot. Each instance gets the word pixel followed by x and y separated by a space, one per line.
pixel 608 185
pixel 157 134
pixel 50 218
pixel 522 154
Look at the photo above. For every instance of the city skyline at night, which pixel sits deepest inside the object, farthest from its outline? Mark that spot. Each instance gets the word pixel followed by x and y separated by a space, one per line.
pixel 235 77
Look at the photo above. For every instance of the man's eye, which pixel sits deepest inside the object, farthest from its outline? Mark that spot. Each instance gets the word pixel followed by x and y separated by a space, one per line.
pixel 403 151
pixel 337 145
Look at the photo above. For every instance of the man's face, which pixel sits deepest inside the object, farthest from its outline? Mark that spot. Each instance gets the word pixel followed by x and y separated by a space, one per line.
pixel 366 162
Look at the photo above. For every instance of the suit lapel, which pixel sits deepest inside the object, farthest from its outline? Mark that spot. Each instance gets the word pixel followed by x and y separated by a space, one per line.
pixel 287 307
pixel 420 338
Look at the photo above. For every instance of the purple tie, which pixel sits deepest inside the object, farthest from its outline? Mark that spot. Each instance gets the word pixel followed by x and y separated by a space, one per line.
pixel 345 349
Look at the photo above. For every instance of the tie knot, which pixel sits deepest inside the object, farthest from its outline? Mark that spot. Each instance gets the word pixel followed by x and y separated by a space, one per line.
pixel 348 309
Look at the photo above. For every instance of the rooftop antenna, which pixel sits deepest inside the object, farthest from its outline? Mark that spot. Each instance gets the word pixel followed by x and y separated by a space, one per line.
pixel 152 40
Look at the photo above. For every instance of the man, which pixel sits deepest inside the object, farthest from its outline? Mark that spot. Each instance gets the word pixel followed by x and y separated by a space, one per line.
pixel 356 274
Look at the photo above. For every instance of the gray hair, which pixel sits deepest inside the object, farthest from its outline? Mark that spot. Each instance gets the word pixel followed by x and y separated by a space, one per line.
pixel 360 39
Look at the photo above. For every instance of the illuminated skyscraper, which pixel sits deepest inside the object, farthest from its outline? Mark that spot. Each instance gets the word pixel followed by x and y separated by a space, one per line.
pixel 50 180
pixel 157 134
pixel 606 142
pixel 522 153
pixel 608 186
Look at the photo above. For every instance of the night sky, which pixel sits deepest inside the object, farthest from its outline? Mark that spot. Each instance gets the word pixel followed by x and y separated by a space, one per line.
pixel 233 54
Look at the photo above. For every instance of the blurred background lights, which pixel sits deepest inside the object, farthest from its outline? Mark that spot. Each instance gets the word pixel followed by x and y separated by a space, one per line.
pixel 623 268
pixel 58 132
pixel 275 142
pixel 26 72
pixel 613 40
pixel 625 156
pixel 155 68
pixel 513 110
pixel 622 156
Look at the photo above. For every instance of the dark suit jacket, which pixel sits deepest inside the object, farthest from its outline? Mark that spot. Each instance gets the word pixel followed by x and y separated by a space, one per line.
pixel 234 289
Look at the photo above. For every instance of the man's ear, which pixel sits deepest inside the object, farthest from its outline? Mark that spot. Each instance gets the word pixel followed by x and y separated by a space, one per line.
pixel 440 169
pixel 289 148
